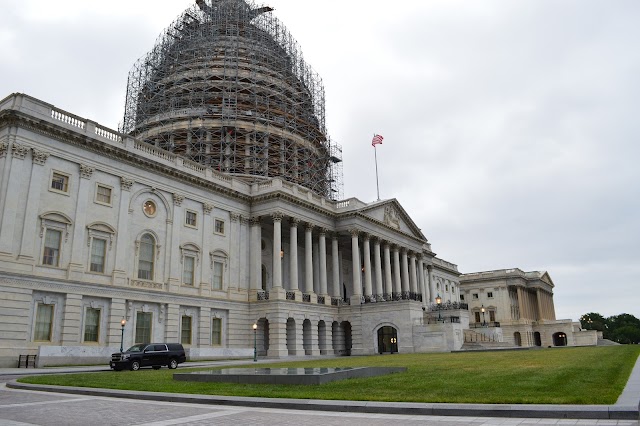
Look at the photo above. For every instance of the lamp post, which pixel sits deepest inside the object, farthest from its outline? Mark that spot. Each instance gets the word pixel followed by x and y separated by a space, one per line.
pixel 484 323
pixel 439 302
pixel 255 347
pixel 122 324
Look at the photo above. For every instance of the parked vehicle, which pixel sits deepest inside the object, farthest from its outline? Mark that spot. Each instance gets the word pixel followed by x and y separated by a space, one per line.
pixel 149 355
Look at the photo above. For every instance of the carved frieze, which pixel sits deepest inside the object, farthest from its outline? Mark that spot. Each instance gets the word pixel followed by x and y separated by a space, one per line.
pixel 391 217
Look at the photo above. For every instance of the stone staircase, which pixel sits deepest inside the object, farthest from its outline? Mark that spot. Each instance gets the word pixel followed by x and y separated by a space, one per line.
pixel 606 342
pixel 474 341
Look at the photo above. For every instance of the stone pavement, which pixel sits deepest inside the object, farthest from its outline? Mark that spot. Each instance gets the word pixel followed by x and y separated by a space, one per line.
pixel 625 409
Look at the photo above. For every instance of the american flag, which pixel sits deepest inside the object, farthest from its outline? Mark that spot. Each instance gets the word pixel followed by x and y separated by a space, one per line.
pixel 377 140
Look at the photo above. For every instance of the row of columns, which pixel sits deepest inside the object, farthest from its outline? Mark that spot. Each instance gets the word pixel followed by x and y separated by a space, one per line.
pixel 408 268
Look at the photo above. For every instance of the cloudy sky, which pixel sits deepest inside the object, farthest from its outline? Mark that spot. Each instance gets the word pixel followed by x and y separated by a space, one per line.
pixel 511 129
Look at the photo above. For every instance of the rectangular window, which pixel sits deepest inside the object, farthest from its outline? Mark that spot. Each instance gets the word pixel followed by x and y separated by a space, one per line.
pixel 446 288
pixel 218 267
pixel 219 227
pixel 103 195
pixel 51 254
pixel 191 219
pixel 98 251
pixel 92 325
pixel 60 182
pixel 462 297
pixel 143 327
pixel 492 316
pixel 44 322
pixel 189 267
pixel 216 332
pixel 475 296
pixel 477 315
pixel 490 295
pixel 185 334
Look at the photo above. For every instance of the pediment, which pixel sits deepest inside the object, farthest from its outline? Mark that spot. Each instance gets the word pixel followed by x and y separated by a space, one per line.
pixel 392 215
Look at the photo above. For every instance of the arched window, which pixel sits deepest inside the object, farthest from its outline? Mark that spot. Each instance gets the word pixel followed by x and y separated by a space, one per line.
pixel 146 257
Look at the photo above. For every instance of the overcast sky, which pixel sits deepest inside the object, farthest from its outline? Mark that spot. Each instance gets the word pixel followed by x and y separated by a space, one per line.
pixel 511 127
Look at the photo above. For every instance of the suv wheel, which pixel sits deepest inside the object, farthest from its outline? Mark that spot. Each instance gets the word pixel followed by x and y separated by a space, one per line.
pixel 135 365
pixel 173 364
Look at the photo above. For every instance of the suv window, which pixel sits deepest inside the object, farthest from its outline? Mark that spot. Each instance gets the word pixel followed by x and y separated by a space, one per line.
pixel 158 348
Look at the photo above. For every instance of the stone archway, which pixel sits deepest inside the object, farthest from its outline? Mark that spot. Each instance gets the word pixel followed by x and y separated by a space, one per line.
pixel 387 340
pixel 262 337
pixel 291 337
pixel 537 339
pixel 346 327
pixel 559 339
pixel 517 338
pixel 306 337
pixel 322 337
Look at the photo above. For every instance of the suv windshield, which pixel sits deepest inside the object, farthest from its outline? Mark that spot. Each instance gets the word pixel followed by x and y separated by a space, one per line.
pixel 136 348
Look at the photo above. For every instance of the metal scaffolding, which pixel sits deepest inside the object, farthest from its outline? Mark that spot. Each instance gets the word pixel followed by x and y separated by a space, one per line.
pixel 226 86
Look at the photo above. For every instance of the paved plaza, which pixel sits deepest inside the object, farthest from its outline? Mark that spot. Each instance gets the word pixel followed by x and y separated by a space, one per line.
pixel 22 408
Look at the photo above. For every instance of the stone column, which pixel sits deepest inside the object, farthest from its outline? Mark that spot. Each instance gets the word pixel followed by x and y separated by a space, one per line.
pixel 377 266
pixel 278 335
pixel 405 271
pixel 204 327
pixel 277 250
pixel 432 285
pixel 355 266
pixel 27 250
pixel 308 259
pixel 322 251
pixel 413 278
pixel 123 238
pixel 15 190
pixel 293 254
pixel 174 323
pixel 387 272
pixel 315 343
pixel 367 268
pixel 76 265
pixel 521 303
pixel 397 284
pixel 255 275
pixel 172 253
pixel 335 258
pixel 421 285
pixel 539 310
pixel 206 284
pixel 234 251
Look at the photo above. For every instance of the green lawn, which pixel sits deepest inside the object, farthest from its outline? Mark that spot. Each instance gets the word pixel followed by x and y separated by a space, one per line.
pixel 593 375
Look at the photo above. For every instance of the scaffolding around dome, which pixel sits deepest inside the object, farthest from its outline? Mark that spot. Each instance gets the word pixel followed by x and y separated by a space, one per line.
pixel 226 85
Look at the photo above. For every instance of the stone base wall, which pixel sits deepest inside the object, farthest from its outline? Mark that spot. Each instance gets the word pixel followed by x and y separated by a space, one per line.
pixel 202 354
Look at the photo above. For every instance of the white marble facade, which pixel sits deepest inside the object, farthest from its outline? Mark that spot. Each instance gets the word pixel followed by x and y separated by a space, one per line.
pixel 97 227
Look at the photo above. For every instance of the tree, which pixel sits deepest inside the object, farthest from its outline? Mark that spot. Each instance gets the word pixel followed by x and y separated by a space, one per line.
pixel 593 321
pixel 623 328
pixel 627 334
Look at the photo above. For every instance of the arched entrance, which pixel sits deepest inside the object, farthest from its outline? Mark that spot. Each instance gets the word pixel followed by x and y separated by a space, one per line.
pixel 291 337
pixel 262 337
pixel 387 340
pixel 537 339
pixel 322 337
pixel 346 327
pixel 306 337
pixel 517 338
pixel 559 339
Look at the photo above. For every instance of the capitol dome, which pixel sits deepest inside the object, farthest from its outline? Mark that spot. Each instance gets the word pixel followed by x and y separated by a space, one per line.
pixel 226 86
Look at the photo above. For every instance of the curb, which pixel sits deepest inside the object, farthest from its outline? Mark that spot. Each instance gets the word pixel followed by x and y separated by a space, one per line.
pixel 605 412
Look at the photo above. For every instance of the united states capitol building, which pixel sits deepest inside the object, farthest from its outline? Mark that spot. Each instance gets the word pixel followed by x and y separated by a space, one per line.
pixel 214 217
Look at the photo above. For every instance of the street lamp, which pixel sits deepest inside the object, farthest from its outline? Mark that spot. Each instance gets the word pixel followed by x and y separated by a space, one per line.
pixel 483 321
pixel 122 323
pixel 439 302
pixel 255 347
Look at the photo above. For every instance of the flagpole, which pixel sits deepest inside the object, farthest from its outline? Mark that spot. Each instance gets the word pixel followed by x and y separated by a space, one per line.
pixel 375 152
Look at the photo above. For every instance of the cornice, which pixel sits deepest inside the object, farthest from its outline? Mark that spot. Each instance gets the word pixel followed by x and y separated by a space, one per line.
pixel 51 130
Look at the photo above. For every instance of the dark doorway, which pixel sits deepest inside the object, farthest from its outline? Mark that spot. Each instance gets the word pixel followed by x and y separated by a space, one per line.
pixel 387 340
pixel 517 338
pixel 537 339
pixel 560 339
pixel 346 326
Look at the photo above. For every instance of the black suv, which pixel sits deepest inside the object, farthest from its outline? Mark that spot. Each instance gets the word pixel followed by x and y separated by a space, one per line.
pixel 149 355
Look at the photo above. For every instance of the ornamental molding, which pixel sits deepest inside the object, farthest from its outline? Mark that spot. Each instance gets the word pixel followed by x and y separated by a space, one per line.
pixel 208 208
pixel 86 171
pixel 277 216
pixel 294 222
pixel 126 183
pixel 39 157
pixel 234 217
pixel 4 147
pixel 177 199
pixel 19 151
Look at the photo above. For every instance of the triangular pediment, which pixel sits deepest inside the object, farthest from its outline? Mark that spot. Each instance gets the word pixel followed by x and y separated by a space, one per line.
pixel 391 214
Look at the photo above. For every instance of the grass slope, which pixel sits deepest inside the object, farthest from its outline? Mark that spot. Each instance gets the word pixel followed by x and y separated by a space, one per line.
pixel 594 375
